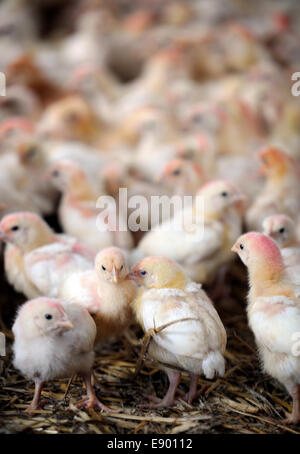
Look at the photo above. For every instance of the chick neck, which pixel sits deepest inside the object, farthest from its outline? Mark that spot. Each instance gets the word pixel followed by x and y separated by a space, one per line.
pixel 267 279
pixel 80 189
pixel 45 236
pixel 113 296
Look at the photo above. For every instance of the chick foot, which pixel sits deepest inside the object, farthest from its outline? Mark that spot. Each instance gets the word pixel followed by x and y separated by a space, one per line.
pixel 169 399
pixel 91 400
pixel 94 402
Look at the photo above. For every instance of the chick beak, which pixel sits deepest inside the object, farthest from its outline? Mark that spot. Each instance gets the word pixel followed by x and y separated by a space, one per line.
pixel 159 178
pixel 240 202
pixel 234 248
pixel 115 276
pixel 49 174
pixel 66 324
pixel 133 275
pixel 268 231
pixel 3 236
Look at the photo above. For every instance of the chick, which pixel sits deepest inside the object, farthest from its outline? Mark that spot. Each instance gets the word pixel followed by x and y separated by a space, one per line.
pixel 78 212
pixel 281 193
pixel 54 339
pixel 200 251
pixel 196 345
pixel 273 312
pixel 282 229
pixel 106 292
pixel 69 118
pixel 36 259
pixel 182 176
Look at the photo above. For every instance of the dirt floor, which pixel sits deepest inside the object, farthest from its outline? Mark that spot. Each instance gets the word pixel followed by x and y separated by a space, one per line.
pixel 244 401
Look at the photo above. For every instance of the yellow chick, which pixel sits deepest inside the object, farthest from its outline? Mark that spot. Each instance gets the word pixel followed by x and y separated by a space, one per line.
pixel 78 212
pixel 281 191
pixel 195 345
pixel 105 291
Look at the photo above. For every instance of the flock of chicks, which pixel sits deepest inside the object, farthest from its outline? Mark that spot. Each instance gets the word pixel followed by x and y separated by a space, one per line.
pixel 208 114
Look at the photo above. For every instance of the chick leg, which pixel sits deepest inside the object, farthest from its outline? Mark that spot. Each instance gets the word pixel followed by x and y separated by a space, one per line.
pixel 192 394
pixel 35 404
pixel 294 417
pixel 92 401
pixel 169 398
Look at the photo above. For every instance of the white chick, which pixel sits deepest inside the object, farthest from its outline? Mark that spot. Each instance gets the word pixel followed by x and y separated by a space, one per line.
pixel 273 312
pixel 204 247
pixel 54 339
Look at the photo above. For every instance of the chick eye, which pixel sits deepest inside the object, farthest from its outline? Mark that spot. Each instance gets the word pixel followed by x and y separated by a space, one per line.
pixel 189 153
pixel 282 230
pixel 121 267
pixel 55 173
pixel 143 272
pixel 224 194
pixel 197 118
pixel 241 246
pixel 15 228
pixel 103 267
pixel 71 117
pixel 48 316
pixel 31 151
pixel 176 172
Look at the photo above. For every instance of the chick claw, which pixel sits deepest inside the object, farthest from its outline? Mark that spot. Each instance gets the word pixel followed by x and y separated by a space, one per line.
pixel 158 403
pixel 93 402
pixel 35 406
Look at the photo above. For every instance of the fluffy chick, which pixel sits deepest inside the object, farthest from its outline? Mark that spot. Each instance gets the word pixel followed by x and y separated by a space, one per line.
pixel 69 118
pixel 36 259
pixel 201 248
pixel 182 176
pixel 78 212
pixel 54 339
pixel 197 345
pixel 106 292
pixel 273 312
pixel 282 229
pixel 281 193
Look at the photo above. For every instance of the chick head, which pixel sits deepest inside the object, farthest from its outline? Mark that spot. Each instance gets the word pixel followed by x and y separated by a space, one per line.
pixel 281 228
pixel 110 265
pixel 43 316
pixel 26 230
pixel 180 169
pixel 65 172
pixel 30 153
pixel 69 118
pixel 158 272
pixel 219 195
pixel 259 252
pixel 276 163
